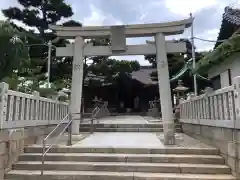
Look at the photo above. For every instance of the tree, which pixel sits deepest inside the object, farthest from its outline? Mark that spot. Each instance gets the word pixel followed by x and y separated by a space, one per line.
pixel 111 69
pixel 109 79
pixel 176 62
pixel 13 53
pixel 39 14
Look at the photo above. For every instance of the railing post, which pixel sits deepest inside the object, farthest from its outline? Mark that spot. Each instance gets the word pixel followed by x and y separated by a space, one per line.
pixel 43 154
pixel 91 126
pixel 37 97
pixel 70 130
pixel 3 103
pixel 236 103
pixel 236 120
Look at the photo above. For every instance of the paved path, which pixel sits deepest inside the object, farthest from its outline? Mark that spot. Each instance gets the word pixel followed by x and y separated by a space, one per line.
pixel 121 139
pixel 134 139
pixel 127 139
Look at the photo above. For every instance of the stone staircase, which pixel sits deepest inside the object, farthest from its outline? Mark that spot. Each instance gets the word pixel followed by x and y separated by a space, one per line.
pixel 103 127
pixel 79 163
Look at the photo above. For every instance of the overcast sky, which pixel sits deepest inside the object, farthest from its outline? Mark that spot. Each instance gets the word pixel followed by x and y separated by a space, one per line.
pixel 207 13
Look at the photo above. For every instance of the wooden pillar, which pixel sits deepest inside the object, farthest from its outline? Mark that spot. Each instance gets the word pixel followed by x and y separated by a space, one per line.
pixel 165 90
pixel 76 88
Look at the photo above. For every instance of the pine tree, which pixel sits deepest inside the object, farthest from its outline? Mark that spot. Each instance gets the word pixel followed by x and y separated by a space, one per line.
pixel 38 15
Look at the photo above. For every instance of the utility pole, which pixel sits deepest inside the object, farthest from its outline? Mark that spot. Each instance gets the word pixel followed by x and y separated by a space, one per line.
pixel 49 62
pixel 193 57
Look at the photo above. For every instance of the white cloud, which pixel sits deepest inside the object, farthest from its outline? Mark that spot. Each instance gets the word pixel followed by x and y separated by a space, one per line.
pixel 208 35
pixel 97 17
pixel 185 7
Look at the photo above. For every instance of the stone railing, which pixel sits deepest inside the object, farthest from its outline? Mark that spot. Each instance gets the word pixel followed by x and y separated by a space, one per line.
pixel 18 110
pixel 214 119
pixel 214 109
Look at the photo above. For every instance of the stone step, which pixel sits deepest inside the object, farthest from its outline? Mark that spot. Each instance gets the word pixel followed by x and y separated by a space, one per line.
pixel 87 129
pixel 149 125
pixel 165 150
pixel 124 167
pixel 103 157
pixel 90 175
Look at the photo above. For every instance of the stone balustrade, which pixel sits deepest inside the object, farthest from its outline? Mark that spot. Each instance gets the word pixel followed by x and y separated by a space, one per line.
pixel 19 110
pixel 214 118
pixel 214 109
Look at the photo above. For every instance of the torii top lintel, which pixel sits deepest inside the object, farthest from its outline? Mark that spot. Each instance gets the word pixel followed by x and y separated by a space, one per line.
pixel 135 30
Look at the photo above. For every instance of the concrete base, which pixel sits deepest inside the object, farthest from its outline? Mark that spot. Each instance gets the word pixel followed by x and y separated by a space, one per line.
pixel 13 142
pixel 169 139
pixel 75 127
pixel 225 139
pixel 169 132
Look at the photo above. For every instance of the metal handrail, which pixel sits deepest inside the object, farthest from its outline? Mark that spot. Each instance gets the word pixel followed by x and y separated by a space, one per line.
pixel 56 127
pixel 95 111
pixel 98 109
pixel 44 150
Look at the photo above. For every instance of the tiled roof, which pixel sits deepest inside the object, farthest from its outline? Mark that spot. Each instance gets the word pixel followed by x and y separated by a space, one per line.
pixel 230 24
pixel 143 75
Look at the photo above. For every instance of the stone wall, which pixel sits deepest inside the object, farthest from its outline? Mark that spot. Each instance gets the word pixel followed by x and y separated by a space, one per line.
pixel 12 144
pixel 225 139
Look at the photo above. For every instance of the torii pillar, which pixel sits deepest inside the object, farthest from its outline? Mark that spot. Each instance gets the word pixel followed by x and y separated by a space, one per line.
pixel 164 89
pixel 77 83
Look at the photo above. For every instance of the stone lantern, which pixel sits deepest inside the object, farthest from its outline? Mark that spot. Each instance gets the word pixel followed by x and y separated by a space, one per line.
pixel 180 91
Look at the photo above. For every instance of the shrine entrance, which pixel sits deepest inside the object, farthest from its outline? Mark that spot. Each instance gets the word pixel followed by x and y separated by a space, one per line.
pixel 118 34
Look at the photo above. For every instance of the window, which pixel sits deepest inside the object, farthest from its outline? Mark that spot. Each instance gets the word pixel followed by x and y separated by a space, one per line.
pixel 216 82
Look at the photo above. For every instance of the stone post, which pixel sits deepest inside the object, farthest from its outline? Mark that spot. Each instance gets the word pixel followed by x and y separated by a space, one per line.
pixel 37 96
pixel 164 90
pixel 3 103
pixel 236 139
pixel 76 88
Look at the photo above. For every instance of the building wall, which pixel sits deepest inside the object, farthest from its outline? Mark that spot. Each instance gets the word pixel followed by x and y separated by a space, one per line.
pixel 233 64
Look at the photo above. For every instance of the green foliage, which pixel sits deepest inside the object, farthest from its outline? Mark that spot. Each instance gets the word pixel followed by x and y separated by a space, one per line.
pixel 12 52
pixel 12 81
pixel 176 62
pixel 72 23
pixel 107 71
pixel 47 92
pixel 39 13
pixel 220 54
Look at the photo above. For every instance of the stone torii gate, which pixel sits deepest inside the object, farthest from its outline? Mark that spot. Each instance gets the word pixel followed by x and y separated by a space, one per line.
pixel 78 50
